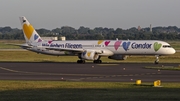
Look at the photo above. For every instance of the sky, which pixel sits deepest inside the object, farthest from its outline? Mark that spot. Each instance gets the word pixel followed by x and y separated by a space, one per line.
pixel 125 14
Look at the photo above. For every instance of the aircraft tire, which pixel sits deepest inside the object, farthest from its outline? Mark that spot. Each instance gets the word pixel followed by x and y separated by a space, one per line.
pixel 156 62
pixel 80 61
pixel 97 61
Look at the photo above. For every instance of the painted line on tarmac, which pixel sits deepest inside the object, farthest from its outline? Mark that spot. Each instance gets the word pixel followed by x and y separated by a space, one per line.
pixel 107 64
pixel 93 76
pixel 40 73
pixel 113 76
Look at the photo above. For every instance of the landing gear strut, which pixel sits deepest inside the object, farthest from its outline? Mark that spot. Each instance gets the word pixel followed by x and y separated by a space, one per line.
pixel 157 59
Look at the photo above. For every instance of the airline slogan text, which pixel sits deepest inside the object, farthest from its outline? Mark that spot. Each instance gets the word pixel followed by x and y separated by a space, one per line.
pixel 66 45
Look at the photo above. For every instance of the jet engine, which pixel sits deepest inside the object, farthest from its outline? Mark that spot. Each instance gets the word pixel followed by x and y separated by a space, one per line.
pixel 118 57
pixel 89 55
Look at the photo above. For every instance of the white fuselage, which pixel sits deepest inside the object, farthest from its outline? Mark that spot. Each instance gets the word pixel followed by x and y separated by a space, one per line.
pixel 108 47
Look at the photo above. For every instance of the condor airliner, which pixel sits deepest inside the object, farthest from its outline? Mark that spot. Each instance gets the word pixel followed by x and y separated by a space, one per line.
pixel 93 49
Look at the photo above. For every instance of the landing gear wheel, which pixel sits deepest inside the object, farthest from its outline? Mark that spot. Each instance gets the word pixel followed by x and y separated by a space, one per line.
pixel 97 61
pixel 156 62
pixel 80 61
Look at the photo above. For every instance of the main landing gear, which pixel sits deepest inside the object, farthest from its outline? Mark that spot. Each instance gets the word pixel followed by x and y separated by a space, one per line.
pixel 157 59
pixel 83 61
pixel 97 61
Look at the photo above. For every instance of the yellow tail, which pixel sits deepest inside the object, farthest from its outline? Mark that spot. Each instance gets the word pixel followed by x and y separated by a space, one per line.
pixel 30 33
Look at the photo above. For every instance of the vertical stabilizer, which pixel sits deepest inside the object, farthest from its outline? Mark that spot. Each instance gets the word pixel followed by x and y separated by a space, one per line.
pixel 30 33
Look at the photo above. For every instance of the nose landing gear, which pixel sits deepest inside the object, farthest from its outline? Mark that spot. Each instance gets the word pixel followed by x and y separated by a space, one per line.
pixel 157 59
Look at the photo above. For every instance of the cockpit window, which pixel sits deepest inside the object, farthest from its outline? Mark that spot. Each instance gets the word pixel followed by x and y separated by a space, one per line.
pixel 166 46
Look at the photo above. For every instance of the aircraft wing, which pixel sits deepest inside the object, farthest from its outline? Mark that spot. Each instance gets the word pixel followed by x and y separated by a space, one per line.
pixel 97 51
pixel 65 49
pixel 24 46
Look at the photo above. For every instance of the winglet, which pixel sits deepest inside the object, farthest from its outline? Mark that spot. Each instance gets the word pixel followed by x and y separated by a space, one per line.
pixel 30 33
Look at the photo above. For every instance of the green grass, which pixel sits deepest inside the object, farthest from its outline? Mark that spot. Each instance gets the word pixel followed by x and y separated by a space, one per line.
pixel 86 91
pixel 4 44
pixel 175 44
pixel 27 56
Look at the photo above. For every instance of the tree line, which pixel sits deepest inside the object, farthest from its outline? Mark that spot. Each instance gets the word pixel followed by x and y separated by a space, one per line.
pixel 98 33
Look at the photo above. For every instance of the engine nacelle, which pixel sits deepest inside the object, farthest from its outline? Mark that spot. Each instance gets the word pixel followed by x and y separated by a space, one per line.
pixel 89 55
pixel 118 57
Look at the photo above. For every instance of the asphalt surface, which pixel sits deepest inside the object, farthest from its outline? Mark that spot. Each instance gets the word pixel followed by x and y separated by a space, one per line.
pixel 114 72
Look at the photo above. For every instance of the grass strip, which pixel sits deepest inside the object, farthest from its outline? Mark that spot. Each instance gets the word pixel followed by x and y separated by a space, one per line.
pixel 83 91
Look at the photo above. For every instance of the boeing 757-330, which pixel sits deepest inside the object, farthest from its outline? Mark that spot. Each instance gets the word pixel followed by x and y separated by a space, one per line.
pixel 93 49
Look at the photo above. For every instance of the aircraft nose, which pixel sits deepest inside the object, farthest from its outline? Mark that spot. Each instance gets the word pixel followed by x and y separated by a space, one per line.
pixel 173 51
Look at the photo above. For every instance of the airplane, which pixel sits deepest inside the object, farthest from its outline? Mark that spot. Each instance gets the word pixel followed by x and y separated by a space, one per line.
pixel 93 49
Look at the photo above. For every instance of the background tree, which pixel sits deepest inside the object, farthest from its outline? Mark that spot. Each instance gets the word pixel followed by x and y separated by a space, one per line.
pixel 99 33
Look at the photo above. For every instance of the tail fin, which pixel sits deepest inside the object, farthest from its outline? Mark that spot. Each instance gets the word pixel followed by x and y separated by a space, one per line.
pixel 30 33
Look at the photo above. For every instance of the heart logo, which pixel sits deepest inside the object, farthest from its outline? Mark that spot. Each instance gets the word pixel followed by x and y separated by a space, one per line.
pixel 117 45
pixel 50 42
pixel 36 36
pixel 157 46
pixel 126 45
pixel 39 40
pixel 100 41
pixel 107 43
pixel 28 30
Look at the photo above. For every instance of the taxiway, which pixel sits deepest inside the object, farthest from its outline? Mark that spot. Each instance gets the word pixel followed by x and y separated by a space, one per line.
pixel 114 72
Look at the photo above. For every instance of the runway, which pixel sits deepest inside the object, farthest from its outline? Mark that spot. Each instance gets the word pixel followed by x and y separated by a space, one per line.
pixel 114 72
